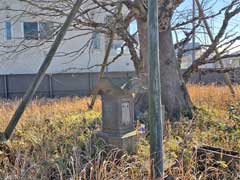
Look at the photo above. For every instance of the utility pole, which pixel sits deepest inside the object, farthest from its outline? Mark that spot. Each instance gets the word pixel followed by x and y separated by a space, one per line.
pixel 155 111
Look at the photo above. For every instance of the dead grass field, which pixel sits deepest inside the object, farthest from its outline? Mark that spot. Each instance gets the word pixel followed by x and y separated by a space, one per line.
pixel 45 109
pixel 218 97
pixel 55 139
pixel 212 96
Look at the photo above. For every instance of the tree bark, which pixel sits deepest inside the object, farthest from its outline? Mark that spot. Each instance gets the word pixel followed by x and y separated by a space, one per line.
pixel 175 96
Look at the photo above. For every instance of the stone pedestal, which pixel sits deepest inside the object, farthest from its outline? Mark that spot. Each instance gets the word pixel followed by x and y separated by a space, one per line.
pixel 126 141
pixel 117 117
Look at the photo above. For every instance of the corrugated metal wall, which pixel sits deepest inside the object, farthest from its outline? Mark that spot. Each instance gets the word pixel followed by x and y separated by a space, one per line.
pixel 81 84
pixel 57 85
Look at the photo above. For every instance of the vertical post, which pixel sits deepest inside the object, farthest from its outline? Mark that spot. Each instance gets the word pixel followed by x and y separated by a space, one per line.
pixel 5 79
pixel 50 85
pixel 155 114
pixel 89 82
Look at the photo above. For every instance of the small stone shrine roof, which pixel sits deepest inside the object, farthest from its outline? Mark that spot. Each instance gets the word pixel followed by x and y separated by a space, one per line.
pixel 111 87
pixel 116 86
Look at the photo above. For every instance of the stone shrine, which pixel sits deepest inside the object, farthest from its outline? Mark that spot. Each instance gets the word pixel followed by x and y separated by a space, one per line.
pixel 117 115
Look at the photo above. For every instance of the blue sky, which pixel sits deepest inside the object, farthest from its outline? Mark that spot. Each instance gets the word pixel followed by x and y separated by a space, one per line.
pixel 215 24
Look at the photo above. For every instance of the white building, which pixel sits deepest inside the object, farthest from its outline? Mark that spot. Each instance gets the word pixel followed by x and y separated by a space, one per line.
pixel 230 62
pixel 21 51
pixel 187 60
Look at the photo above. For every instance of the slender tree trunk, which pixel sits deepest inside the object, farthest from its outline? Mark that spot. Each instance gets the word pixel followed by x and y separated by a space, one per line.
pixel 141 99
pixel 175 96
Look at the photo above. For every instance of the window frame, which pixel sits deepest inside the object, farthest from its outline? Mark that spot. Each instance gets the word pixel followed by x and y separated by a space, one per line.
pixel 5 30
pixel 96 35
pixel 48 35
pixel 38 31
pixel 23 31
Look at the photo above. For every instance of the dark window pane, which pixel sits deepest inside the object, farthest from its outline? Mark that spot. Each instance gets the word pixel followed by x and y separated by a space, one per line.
pixel 96 40
pixel 30 30
pixel 8 30
pixel 46 30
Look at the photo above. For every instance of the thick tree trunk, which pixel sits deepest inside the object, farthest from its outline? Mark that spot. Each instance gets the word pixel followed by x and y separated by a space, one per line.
pixel 175 96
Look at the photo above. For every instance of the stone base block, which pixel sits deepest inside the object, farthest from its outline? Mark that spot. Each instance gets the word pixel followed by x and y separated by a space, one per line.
pixel 126 141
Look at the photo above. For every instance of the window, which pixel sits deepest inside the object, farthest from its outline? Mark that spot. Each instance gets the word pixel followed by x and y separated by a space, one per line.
pixel 96 40
pixel 45 30
pixel 35 30
pixel 8 30
pixel 117 46
pixel 30 30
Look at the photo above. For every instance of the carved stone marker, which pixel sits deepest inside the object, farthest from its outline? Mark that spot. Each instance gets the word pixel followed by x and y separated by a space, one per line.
pixel 117 116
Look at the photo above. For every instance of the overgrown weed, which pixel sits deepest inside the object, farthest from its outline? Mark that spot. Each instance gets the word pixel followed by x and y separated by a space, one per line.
pixel 56 140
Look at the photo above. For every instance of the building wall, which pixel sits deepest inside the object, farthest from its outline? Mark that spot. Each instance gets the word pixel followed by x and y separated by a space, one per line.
pixel 29 60
pixel 187 60
pixel 230 62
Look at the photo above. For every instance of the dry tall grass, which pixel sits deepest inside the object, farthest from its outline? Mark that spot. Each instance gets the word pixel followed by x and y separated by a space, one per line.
pixel 55 140
pixel 45 109
pixel 214 96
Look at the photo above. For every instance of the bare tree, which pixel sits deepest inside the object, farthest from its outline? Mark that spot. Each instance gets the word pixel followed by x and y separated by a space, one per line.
pixel 175 96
